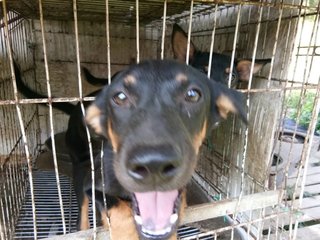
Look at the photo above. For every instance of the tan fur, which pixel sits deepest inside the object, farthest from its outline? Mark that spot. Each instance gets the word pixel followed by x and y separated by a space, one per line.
pixel 93 118
pixel 200 137
pixel 225 106
pixel 244 68
pixel 104 219
pixel 130 80
pixel 113 137
pixel 84 224
pixel 180 47
pixel 122 222
pixel 181 78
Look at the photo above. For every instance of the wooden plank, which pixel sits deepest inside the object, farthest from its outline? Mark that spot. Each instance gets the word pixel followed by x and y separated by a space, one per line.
pixel 311 214
pixel 102 234
pixel 309 233
pixel 199 212
pixel 313 170
pixel 311 180
pixel 310 202
pixel 311 189
pixel 249 202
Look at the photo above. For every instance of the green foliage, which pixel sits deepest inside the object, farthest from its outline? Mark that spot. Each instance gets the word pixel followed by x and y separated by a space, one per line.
pixel 313 3
pixel 293 103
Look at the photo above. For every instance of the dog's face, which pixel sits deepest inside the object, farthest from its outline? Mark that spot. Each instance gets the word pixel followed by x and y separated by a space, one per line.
pixel 220 66
pixel 156 115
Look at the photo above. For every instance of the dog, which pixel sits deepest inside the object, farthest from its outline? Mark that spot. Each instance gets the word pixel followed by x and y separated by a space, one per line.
pixel 152 120
pixel 220 68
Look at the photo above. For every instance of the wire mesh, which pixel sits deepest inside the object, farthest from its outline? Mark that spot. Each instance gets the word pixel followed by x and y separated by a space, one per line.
pixel 236 161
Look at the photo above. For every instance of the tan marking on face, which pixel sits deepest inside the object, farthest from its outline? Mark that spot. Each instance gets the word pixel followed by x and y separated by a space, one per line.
pixel 113 137
pixel 93 118
pixel 225 105
pixel 198 139
pixel 227 70
pixel 84 221
pixel 130 80
pixel 181 78
pixel 104 219
pixel 122 222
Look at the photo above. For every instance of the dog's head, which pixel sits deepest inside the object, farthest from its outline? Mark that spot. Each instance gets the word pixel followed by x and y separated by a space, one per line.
pixel 220 68
pixel 155 115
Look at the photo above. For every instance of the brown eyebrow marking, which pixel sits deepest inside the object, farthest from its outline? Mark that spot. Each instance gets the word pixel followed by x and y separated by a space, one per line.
pixel 130 80
pixel 180 77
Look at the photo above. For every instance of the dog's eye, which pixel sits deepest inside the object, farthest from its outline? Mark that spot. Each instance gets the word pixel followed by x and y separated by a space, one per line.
pixel 120 98
pixel 192 95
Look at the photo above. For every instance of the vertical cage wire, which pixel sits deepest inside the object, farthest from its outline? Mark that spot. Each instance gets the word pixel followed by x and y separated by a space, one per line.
pixel 55 161
pixel 226 149
pixel 303 164
pixel 189 32
pixel 93 197
pixel 163 28
pixel 212 40
pixel 235 40
pixel 275 44
pixel 102 145
pixel 137 31
pixel 19 112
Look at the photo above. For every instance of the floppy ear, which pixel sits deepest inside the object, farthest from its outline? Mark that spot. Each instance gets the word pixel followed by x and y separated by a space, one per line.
pixel 96 113
pixel 244 67
pixel 224 101
pixel 179 41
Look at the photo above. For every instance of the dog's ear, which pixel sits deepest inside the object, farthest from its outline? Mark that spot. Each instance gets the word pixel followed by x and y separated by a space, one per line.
pixel 225 100
pixel 244 67
pixel 179 42
pixel 93 118
pixel 97 112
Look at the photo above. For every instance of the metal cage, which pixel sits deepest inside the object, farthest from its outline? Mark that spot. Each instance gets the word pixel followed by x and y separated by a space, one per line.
pixel 260 181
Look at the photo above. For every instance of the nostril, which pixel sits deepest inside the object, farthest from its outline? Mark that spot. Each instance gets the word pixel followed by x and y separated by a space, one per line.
pixel 169 170
pixel 139 172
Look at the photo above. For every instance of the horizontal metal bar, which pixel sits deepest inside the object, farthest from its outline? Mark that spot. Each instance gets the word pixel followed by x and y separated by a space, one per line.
pixel 217 209
pixel 46 100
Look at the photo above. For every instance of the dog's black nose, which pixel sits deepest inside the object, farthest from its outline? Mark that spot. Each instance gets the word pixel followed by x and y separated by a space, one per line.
pixel 153 165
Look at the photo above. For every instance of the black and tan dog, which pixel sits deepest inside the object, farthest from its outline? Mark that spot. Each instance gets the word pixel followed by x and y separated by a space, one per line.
pixel 152 119
pixel 220 68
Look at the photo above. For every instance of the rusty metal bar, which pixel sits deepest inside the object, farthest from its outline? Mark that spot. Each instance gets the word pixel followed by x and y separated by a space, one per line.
pixel 54 153
pixel 189 32
pixel 93 197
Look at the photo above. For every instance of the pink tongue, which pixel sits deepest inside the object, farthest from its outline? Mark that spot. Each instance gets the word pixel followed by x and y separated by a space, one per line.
pixel 156 208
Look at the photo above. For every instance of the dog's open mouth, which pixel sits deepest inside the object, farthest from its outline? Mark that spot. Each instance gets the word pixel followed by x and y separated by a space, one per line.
pixel 156 213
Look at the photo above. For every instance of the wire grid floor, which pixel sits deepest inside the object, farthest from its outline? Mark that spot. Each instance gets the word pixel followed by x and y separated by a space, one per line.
pixel 48 215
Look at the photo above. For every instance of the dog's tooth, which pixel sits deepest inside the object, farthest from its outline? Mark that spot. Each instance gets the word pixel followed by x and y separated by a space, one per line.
pixel 156 232
pixel 138 219
pixel 173 218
